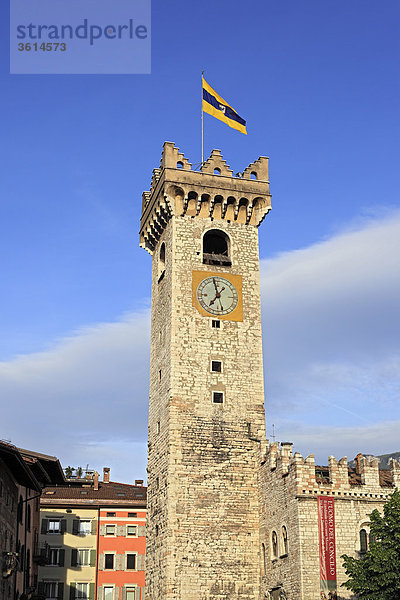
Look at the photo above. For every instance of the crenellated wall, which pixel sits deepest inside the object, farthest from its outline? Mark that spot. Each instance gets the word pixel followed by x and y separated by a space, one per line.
pixel 211 192
pixel 291 485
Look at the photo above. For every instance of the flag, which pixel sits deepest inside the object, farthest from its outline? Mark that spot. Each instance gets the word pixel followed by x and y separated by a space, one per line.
pixel 216 106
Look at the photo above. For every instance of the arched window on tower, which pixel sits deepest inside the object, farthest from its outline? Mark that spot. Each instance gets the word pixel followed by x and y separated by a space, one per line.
pixel 264 557
pixel 216 248
pixel 284 541
pixel 161 263
pixel 274 545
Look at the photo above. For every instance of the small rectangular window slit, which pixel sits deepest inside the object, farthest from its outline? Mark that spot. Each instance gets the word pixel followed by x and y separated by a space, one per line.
pixel 216 366
pixel 216 324
pixel 218 397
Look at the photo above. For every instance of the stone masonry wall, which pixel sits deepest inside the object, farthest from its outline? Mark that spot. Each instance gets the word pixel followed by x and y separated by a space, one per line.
pixel 203 531
pixel 290 493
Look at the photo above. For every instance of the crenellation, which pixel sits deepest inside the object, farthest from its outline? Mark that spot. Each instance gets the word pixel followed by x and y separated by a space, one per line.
pixel 395 472
pixel 259 168
pixel 338 473
pixel 216 162
pixel 369 471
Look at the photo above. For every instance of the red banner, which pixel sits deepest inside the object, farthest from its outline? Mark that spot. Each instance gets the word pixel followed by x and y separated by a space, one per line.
pixel 327 547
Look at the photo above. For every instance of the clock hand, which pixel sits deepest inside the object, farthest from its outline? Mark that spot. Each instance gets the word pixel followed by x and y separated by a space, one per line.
pixel 218 295
pixel 215 285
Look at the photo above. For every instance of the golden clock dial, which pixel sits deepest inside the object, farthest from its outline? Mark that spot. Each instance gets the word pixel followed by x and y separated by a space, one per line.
pixel 217 295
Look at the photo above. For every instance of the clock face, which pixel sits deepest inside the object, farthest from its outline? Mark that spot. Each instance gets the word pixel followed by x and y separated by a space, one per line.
pixel 217 295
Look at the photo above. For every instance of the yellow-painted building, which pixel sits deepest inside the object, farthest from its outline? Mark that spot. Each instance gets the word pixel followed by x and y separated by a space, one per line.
pixel 70 538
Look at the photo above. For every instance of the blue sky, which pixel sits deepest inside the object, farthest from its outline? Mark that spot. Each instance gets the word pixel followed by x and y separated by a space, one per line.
pixel 318 84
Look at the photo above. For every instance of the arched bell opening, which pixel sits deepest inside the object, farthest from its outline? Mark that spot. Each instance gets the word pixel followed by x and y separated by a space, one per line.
pixel 216 248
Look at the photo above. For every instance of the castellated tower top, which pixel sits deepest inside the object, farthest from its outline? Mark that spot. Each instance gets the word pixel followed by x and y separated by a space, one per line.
pixel 213 192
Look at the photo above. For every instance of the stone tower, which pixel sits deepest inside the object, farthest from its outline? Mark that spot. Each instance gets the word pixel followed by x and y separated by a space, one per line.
pixel 206 417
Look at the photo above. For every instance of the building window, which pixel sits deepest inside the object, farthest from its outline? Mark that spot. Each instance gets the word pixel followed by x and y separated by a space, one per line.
pixel 84 527
pixel 81 591
pixel 131 562
pixel 54 526
pixel 264 557
pixel 131 594
pixel 108 561
pixel 83 557
pixel 111 514
pixel 158 428
pixel 218 397
pixel 216 248
pixel 161 263
pixel 51 589
pixel 132 515
pixel 216 366
pixel 284 541
pixel 363 541
pixel 216 324
pixel 274 545
pixel 131 529
pixel 20 509
pixel 110 529
pixel 108 592
pixel 54 556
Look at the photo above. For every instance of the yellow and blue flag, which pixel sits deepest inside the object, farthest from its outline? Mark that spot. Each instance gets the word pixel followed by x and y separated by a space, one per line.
pixel 216 106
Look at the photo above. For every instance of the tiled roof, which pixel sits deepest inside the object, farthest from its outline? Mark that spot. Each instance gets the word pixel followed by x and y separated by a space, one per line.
pixel 31 469
pixel 84 493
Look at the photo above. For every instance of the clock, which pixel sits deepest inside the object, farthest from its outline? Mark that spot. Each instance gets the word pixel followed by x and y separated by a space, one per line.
pixel 217 296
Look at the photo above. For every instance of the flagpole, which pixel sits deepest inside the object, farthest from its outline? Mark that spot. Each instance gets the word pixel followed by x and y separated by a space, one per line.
pixel 202 121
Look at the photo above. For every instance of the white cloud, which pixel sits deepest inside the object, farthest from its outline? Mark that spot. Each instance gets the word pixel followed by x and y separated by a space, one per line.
pixel 331 353
pixel 331 333
pixel 89 391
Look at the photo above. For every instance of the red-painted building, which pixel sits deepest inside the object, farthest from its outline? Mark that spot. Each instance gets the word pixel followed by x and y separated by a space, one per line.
pixel 121 558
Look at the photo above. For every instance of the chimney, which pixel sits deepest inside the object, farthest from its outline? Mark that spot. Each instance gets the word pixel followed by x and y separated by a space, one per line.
pixel 96 481
pixel 139 482
pixel 106 474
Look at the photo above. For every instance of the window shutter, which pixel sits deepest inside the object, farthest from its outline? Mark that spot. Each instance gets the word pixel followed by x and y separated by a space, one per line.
pixel 91 591
pixel 45 526
pixel 102 529
pixel 141 530
pixel 94 527
pixel 72 590
pixel 123 593
pixel 101 562
pixel 60 591
pixel 74 557
pixel 143 592
pixel 120 529
pixel 61 558
pixel 100 592
pixel 117 562
pixel 116 593
pixel 93 558
pixel 75 526
pixel 143 562
pixel 139 562
pixel 63 525
pixel 41 591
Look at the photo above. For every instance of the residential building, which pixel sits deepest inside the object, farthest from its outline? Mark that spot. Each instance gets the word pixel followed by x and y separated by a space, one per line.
pixel 94 533
pixel 23 474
